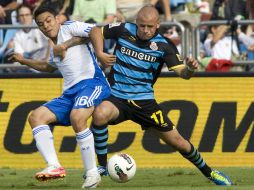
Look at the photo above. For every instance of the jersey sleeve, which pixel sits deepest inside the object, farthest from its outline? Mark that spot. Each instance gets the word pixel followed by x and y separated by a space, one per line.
pixel 172 57
pixel 113 31
pixel 76 28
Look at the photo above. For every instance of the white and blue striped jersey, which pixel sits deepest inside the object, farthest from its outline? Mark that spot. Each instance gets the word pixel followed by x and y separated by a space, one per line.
pixel 80 62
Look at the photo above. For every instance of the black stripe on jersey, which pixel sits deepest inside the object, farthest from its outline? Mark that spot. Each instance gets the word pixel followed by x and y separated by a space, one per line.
pixel 141 45
pixel 134 68
pixel 131 92
pixel 129 37
pixel 137 79
pixel 125 83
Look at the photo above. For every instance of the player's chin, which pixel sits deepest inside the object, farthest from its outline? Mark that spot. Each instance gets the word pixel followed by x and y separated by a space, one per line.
pixel 51 34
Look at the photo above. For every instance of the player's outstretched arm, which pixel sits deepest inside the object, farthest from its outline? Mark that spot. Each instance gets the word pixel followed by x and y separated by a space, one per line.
pixel 60 49
pixel 187 71
pixel 96 37
pixel 97 41
pixel 35 64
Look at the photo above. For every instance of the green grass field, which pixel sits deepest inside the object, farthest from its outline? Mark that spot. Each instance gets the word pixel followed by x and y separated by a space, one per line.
pixel 145 179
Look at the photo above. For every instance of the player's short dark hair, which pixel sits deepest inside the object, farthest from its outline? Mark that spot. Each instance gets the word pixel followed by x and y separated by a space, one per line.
pixel 43 9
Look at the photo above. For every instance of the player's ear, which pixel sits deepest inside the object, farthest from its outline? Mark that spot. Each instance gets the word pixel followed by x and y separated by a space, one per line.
pixel 158 25
pixel 58 19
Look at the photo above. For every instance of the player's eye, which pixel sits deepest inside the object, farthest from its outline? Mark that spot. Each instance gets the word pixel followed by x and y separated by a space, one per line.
pixel 40 24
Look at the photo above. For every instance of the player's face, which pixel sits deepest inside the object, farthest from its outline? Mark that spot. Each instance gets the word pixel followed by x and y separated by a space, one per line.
pixel 147 27
pixel 48 24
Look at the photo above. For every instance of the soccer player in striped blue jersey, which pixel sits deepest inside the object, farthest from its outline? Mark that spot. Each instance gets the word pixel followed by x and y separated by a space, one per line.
pixel 85 86
pixel 140 53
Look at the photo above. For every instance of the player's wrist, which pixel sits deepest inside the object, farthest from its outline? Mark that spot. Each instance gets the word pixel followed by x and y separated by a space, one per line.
pixel 64 46
pixel 190 69
pixel 99 53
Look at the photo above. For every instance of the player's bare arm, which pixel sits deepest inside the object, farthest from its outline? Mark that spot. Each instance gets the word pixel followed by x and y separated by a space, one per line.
pixel 96 37
pixel 35 64
pixel 187 71
pixel 60 49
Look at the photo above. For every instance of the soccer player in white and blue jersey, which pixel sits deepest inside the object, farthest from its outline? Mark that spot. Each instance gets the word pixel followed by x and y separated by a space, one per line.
pixel 84 88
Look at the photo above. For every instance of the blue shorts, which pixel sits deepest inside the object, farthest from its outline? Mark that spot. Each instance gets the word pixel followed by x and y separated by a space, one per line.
pixel 85 94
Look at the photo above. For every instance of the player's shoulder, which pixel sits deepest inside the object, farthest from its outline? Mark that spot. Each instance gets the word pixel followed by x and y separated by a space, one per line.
pixel 74 23
pixel 130 26
pixel 122 25
pixel 69 22
pixel 114 30
pixel 75 26
pixel 160 38
pixel 163 41
pixel 115 26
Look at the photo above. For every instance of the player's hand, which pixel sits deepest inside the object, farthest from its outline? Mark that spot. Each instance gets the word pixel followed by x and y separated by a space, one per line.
pixel 2 12
pixel 59 51
pixel 15 57
pixel 251 48
pixel 106 59
pixel 192 63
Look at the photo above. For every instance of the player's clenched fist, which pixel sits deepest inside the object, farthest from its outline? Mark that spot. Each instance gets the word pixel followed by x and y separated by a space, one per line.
pixel 192 63
pixel 106 59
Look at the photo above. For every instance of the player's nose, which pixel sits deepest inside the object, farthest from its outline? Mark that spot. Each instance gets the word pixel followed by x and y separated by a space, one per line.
pixel 146 29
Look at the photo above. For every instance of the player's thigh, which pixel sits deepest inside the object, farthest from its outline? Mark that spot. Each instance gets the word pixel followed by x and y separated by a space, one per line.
pixel 118 110
pixel 105 112
pixel 61 108
pixel 149 114
pixel 81 115
pixel 41 115
pixel 91 92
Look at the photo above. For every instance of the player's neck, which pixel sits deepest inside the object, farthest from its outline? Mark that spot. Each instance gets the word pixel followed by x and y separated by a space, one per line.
pixel 54 40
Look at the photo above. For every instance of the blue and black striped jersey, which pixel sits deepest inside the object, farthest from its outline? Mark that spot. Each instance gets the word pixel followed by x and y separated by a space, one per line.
pixel 139 62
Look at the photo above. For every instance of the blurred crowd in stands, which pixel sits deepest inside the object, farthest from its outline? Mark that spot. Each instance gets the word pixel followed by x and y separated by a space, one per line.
pixel 220 45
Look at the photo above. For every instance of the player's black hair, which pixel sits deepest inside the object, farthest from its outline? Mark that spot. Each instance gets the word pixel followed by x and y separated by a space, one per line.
pixel 43 9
